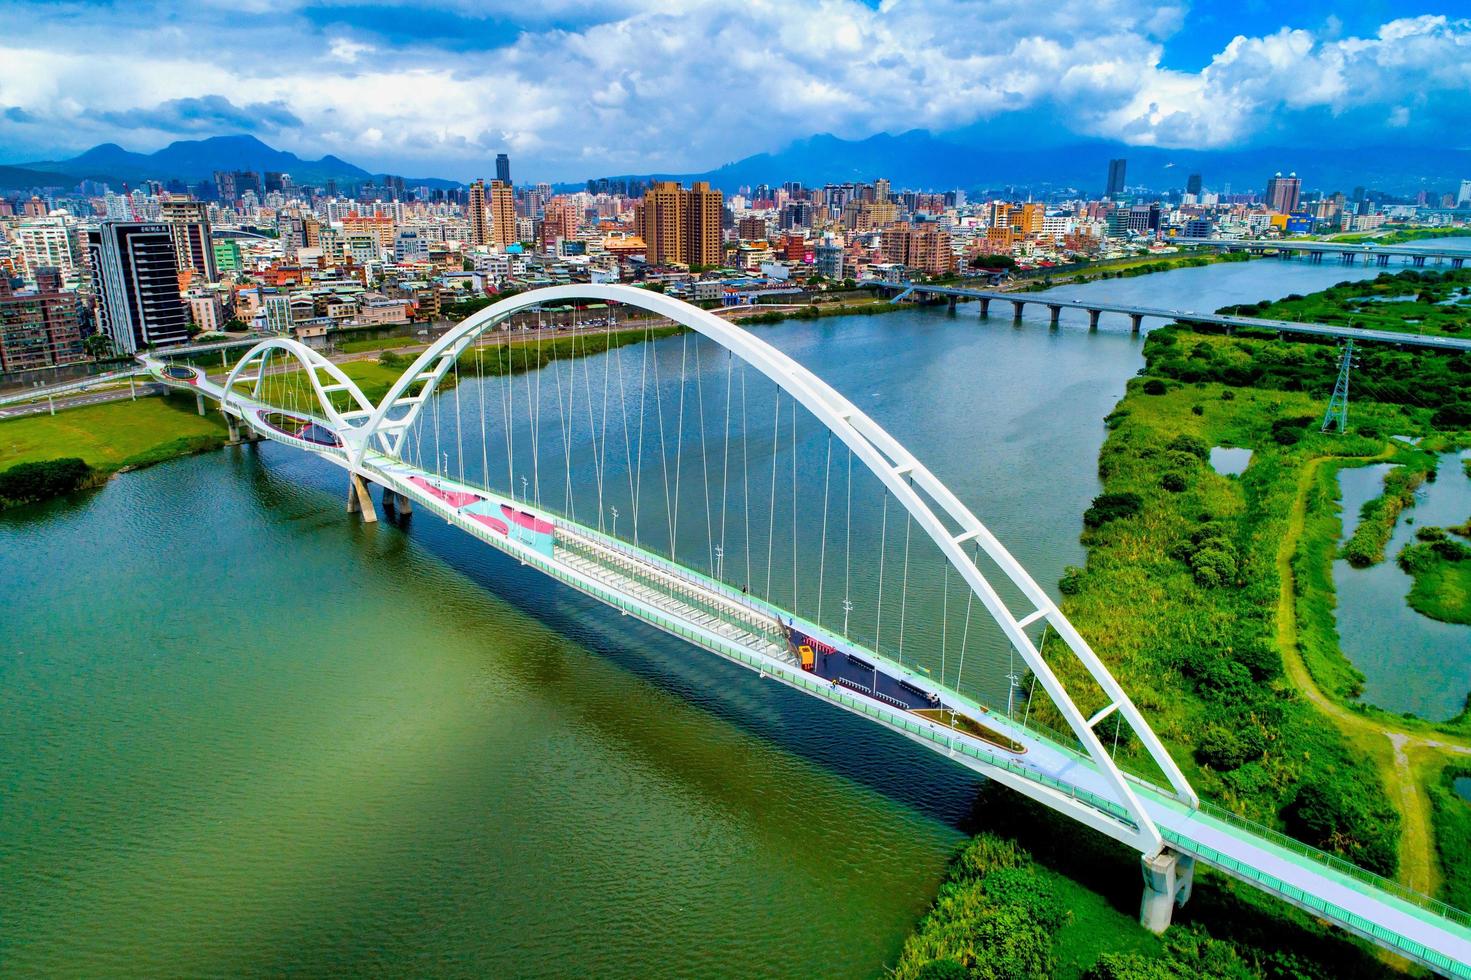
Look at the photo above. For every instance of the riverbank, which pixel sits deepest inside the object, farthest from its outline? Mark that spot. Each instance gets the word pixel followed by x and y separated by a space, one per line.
pixel 1129 268
pixel 1210 597
pixel 111 438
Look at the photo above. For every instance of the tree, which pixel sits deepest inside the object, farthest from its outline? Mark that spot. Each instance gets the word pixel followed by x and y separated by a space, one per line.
pixel 98 346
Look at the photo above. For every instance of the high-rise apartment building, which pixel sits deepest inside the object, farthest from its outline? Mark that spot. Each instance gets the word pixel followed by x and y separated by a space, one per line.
pixel 188 222
pixel 559 221
pixel 1193 185
pixel 924 248
pixel 1116 170
pixel 41 328
pixel 1029 219
pixel 681 226
pixel 1283 192
pixel 135 278
pixel 476 214
pixel 502 213
pixel 502 168
pixel 1464 197
pixel 46 243
pixel 751 228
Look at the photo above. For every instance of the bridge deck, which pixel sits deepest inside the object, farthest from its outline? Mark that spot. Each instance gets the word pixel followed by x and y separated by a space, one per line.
pixel 748 631
pixel 1189 316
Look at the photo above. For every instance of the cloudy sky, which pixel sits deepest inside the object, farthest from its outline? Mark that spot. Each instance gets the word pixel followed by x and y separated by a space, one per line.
pixel 570 90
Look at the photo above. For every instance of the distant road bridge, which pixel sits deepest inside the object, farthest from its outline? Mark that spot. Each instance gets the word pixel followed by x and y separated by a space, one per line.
pixel 1136 314
pixel 542 464
pixel 1347 252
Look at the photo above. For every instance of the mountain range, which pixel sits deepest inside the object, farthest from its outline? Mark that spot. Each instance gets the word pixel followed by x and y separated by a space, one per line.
pixel 914 159
pixel 192 161
pixel 918 159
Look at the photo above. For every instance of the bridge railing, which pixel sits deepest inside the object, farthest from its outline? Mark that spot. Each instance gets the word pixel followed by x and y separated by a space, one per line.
pixel 1336 863
pixel 1410 947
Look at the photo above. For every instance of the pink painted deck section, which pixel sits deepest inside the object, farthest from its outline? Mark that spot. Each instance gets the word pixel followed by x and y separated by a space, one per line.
pixel 454 498
pixel 495 524
pixel 528 521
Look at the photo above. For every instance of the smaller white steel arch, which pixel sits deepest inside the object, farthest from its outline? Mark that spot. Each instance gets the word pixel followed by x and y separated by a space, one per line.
pixel 311 362
pixel 950 527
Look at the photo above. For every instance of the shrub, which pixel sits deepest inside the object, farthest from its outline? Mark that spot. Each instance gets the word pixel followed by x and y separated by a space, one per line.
pixel 1431 534
pixel 1228 395
pixel 1197 409
pixel 947 968
pixel 1213 566
pixel 1224 749
pixel 1071 582
pixel 1023 887
pixel 26 482
pixel 1454 416
pixel 1182 460
pixel 1331 813
pixel 1190 444
pixel 1112 507
pixel 1154 386
pixel 1174 481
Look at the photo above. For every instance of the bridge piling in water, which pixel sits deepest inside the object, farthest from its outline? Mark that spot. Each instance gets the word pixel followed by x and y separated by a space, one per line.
pixel 1093 320
pixel 985 308
pixel 1056 312
pixel 1135 319
pixel 1168 880
pixel 360 500
pixel 1016 310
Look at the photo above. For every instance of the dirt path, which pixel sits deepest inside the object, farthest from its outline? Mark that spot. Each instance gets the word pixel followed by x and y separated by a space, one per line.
pixel 1391 748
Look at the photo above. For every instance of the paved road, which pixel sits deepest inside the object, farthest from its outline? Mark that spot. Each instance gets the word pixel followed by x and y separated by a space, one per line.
pixel 76 401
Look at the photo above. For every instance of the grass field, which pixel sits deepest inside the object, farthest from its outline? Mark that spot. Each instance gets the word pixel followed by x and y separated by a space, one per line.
pixel 112 435
pixel 381 343
pixel 1443 591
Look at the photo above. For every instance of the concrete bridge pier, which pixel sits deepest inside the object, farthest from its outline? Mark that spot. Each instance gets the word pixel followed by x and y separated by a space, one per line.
pixel 1457 263
pixel 233 427
pixel 1093 320
pixel 985 308
pixel 1317 258
pixel 1016 310
pixel 1056 312
pixel 401 503
pixel 1419 261
pixel 1135 319
pixel 1347 257
pixel 1383 258
pixel 950 304
pixel 359 500
pixel 1168 881
pixel 199 402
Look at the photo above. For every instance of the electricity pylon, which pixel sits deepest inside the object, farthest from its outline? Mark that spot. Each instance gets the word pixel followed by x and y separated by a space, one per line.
pixel 1338 403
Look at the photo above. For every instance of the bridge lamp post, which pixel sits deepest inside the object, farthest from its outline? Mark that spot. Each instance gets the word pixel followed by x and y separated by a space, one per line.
pixel 847 608
pixel 524 483
pixel 719 560
pixel 1016 682
pixel 615 521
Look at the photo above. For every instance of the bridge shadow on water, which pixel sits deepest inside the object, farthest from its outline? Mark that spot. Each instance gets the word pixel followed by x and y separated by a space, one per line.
pixel 827 738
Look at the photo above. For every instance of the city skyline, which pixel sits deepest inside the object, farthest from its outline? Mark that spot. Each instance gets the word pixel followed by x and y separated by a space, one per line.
pixel 642 88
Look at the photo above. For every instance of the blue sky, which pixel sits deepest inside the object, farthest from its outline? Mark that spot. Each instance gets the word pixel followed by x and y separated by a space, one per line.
pixel 437 87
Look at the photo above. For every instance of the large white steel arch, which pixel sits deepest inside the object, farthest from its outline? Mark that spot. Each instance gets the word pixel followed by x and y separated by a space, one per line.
pixel 311 362
pixel 948 522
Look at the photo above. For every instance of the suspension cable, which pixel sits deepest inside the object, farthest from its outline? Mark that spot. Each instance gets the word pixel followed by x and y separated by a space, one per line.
pixel 822 550
pixel 771 518
pixel 878 623
pixel 904 589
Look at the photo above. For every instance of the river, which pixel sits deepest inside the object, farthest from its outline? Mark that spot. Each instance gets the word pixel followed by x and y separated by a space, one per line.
pixel 244 733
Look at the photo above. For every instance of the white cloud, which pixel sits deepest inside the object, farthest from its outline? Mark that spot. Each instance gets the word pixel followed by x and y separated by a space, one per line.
pixel 665 84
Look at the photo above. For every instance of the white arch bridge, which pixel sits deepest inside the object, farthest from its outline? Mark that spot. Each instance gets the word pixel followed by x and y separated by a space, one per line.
pixel 750 495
